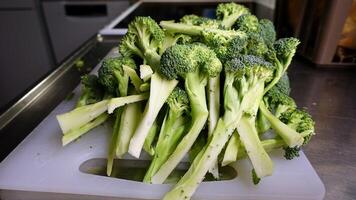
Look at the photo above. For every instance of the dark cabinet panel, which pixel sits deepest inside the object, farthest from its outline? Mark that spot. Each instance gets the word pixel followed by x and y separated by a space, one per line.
pixel 24 58
pixel 71 23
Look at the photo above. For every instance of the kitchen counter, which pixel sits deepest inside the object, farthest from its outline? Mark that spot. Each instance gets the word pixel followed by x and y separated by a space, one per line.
pixel 329 95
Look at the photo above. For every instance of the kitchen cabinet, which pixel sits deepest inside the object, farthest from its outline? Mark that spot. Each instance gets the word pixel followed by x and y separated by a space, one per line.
pixel 71 23
pixel 25 57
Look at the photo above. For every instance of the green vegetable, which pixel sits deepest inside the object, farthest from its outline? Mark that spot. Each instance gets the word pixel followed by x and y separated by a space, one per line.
pixel 194 63
pixel 172 129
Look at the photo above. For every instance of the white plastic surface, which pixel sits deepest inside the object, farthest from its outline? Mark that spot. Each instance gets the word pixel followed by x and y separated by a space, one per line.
pixel 40 165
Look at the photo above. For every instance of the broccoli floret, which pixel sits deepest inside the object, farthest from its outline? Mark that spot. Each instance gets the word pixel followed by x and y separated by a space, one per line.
pixel 291 137
pixel 228 13
pixel 278 102
pixel 172 129
pixel 92 90
pixel 200 21
pixel 144 38
pixel 281 56
pixel 195 64
pixel 112 76
pixel 247 23
pixel 283 85
pixel 256 45
pixel 267 32
pixel 302 122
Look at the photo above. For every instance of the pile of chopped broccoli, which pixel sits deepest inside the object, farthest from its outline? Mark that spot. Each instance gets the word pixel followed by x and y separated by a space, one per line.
pixel 210 88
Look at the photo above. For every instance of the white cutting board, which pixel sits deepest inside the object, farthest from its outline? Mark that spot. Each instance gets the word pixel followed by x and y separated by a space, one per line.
pixel 40 168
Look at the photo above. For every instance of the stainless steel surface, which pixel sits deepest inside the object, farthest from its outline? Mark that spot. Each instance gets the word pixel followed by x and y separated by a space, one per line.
pixel 20 119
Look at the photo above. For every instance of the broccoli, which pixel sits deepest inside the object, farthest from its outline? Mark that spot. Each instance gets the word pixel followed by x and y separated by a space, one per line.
pixel 283 87
pixel 267 32
pixel 144 38
pixel 172 129
pixel 281 56
pixel 160 89
pixel 302 122
pixel 213 91
pixel 243 88
pixel 228 13
pixel 280 103
pixel 200 21
pixel 112 76
pixel 195 64
pixel 231 150
pixel 116 81
pixel 247 23
pixel 92 91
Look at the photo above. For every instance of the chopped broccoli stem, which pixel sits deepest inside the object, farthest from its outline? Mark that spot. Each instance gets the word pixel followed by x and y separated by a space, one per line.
pixel 74 134
pixel 290 136
pixel 121 101
pixel 160 89
pixel 80 116
pixel 231 150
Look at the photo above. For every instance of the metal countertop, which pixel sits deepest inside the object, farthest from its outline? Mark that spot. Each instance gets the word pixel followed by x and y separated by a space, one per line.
pixel 329 95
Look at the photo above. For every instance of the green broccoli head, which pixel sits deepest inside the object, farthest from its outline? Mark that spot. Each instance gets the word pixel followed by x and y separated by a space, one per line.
pixel 247 23
pixel 200 21
pixel 291 152
pixel 303 123
pixel 225 44
pixel 285 49
pixel 267 32
pixel 228 13
pixel 92 90
pixel 178 60
pixel 111 74
pixel 283 85
pixel 178 101
pixel 278 101
pixel 256 45
pixel 144 36
pixel 251 67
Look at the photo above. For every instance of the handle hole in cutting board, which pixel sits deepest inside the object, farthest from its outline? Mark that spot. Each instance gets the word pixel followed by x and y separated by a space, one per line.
pixel 135 170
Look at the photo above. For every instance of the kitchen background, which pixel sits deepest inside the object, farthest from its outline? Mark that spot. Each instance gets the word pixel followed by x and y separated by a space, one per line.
pixel 40 37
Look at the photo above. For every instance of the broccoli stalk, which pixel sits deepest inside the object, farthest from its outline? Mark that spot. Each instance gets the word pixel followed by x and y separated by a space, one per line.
pixel 73 134
pixel 187 185
pixel 147 145
pixel 116 81
pixel 195 64
pixel 81 116
pixel 173 127
pixel 214 113
pixel 280 103
pixel 130 118
pixel 160 89
pixel 231 150
pixel 144 39
pixel 117 102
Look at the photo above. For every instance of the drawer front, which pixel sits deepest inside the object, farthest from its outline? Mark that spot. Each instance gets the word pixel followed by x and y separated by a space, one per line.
pixel 71 23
